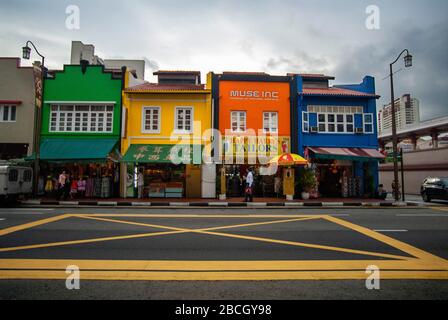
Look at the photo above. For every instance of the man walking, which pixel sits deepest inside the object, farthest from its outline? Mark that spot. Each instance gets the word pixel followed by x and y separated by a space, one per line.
pixel 140 183
pixel 62 180
pixel 249 195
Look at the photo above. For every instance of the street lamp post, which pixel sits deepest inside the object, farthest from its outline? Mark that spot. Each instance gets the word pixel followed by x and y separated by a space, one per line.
pixel 407 63
pixel 26 53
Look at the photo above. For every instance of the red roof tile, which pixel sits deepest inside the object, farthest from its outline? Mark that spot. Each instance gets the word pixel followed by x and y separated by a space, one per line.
pixel 335 92
pixel 246 73
pixel 177 72
pixel 312 76
pixel 149 87
pixel 14 102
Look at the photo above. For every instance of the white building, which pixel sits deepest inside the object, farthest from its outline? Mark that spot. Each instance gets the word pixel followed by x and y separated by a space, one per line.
pixel 81 51
pixel 407 113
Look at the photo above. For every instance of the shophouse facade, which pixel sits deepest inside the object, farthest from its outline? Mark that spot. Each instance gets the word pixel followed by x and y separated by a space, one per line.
pixel 338 134
pixel 166 127
pixel 255 114
pixel 17 109
pixel 81 129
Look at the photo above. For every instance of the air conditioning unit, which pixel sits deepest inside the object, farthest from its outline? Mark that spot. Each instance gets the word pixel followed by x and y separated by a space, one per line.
pixel 314 129
pixel 359 130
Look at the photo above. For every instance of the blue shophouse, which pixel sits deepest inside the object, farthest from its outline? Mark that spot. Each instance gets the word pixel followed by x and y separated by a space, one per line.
pixel 337 131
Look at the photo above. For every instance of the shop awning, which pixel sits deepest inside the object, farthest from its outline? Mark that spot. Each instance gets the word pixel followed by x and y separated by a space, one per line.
pixel 76 149
pixel 164 153
pixel 353 154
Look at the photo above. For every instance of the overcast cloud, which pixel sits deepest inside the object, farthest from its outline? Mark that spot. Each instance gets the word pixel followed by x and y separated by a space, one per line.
pixel 249 35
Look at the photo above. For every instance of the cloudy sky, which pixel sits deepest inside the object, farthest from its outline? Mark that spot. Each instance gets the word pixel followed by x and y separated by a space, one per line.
pixel 278 36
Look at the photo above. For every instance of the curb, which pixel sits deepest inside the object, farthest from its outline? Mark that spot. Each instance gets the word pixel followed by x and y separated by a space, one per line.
pixel 217 204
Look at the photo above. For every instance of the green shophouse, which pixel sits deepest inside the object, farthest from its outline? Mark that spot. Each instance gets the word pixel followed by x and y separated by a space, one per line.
pixel 80 133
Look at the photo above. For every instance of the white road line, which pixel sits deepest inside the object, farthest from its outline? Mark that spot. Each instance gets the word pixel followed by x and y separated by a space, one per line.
pixel 390 230
pixel 422 215
pixel 22 213
pixel 2 219
pixel 25 209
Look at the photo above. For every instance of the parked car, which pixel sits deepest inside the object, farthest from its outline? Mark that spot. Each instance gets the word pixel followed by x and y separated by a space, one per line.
pixel 15 181
pixel 434 188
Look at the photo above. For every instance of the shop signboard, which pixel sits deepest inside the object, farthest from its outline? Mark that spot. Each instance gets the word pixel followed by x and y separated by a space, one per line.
pixel 253 146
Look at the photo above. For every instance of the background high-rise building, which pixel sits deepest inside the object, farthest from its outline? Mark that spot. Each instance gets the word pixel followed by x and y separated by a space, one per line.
pixel 407 113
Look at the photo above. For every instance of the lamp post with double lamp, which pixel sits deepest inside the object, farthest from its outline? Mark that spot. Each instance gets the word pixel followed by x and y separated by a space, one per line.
pixel 26 53
pixel 407 63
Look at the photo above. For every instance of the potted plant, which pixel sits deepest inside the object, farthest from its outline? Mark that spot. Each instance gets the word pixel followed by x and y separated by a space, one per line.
pixel 308 180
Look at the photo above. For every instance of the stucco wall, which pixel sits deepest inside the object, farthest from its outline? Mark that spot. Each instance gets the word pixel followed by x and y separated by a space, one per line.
pixel 17 83
pixel 418 165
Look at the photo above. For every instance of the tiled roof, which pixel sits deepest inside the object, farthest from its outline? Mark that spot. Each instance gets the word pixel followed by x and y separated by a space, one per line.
pixel 177 72
pixel 312 76
pixel 154 87
pixel 245 73
pixel 335 92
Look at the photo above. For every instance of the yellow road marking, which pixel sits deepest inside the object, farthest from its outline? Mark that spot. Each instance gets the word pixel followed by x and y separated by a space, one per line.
pixel 424 266
pixel 292 243
pixel 444 209
pixel 411 250
pixel 150 215
pixel 175 231
pixel 202 229
pixel 170 265
pixel 207 231
pixel 32 224
pixel 306 245
pixel 221 276
pixel 65 243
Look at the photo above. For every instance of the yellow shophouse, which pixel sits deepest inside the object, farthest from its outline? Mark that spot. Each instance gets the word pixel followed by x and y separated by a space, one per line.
pixel 165 128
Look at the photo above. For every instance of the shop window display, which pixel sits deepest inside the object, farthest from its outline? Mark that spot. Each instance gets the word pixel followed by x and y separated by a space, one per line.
pixel 163 181
pixel 96 180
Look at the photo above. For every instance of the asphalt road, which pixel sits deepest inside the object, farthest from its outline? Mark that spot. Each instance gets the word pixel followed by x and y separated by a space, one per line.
pixel 203 253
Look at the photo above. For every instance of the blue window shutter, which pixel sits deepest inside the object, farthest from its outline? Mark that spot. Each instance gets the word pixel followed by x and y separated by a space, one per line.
pixel 358 121
pixel 313 119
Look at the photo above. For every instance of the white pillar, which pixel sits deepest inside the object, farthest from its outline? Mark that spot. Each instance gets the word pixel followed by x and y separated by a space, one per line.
pixel 208 181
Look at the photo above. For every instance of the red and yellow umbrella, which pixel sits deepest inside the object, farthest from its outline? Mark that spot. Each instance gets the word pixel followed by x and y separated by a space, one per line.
pixel 288 159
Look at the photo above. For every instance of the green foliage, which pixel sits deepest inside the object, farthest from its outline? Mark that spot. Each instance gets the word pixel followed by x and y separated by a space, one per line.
pixel 307 180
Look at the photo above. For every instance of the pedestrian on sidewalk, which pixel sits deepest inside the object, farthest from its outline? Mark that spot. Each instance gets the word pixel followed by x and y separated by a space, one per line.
pixel 140 183
pixel 248 192
pixel 67 187
pixel 62 180
pixel 277 185
pixel 73 189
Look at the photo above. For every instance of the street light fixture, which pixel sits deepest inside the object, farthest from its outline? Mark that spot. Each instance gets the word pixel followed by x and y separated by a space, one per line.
pixel 26 54
pixel 407 64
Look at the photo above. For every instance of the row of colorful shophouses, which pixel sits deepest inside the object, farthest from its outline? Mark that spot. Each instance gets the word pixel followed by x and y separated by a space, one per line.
pixel 180 138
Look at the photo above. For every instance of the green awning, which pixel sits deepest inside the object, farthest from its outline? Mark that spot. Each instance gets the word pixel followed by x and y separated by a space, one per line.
pixel 164 153
pixel 76 149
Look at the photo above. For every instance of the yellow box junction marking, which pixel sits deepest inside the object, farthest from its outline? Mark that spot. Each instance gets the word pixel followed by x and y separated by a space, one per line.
pixel 421 264
pixel 444 209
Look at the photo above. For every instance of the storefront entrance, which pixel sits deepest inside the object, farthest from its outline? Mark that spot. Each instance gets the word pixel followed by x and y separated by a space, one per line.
pixel 163 175
pixel 264 186
pixel 86 180
pixel 193 181
pixel 336 178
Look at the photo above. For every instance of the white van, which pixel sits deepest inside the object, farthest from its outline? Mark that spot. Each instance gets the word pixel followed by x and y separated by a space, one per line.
pixel 14 182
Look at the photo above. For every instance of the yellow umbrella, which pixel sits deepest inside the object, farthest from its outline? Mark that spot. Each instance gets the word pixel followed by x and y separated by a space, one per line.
pixel 288 159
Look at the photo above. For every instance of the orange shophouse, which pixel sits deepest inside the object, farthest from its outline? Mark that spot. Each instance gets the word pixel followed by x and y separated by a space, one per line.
pixel 255 114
